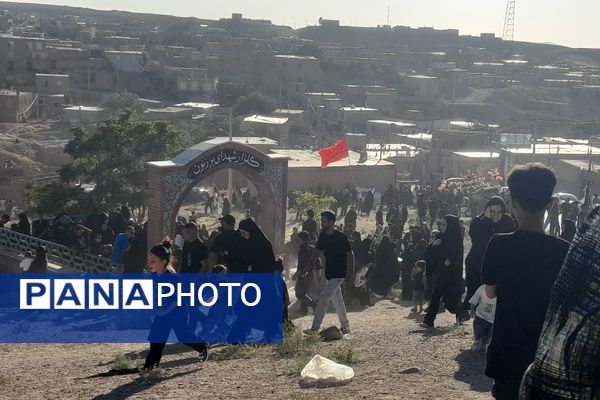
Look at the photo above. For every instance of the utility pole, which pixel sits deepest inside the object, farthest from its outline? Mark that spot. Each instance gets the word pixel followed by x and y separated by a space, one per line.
pixel 388 16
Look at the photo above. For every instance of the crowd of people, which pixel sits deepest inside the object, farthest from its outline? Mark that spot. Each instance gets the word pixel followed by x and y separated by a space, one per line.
pixel 506 283
pixel 506 287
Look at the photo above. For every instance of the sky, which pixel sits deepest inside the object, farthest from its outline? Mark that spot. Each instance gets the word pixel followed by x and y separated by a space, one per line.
pixel 567 22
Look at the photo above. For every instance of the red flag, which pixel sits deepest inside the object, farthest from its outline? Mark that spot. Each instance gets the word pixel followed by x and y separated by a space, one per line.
pixel 337 152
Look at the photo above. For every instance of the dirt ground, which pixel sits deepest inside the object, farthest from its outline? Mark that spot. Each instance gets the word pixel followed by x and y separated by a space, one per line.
pixel 386 340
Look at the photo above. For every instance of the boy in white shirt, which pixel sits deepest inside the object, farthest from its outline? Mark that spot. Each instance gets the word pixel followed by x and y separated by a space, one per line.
pixel 483 310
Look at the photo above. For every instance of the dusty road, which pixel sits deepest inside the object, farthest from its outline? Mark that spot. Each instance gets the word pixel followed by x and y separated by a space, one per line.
pixel 386 340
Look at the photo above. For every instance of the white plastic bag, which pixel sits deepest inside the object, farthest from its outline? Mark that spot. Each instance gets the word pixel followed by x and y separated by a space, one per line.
pixel 323 368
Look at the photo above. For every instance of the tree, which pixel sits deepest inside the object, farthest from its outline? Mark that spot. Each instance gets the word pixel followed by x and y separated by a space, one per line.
pixel 113 158
pixel 118 102
pixel 53 198
pixel 254 103
pixel 312 201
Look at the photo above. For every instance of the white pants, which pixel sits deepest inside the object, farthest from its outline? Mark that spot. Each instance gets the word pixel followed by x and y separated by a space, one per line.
pixel 332 292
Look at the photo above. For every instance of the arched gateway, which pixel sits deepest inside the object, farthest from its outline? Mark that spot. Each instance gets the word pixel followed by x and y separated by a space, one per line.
pixel 170 181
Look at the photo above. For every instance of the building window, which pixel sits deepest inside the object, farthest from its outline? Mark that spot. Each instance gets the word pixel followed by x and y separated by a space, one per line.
pixel 11 44
pixel 29 65
pixel 462 144
pixel 45 83
pixel 11 66
pixel 53 64
pixel 29 46
pixel 38 45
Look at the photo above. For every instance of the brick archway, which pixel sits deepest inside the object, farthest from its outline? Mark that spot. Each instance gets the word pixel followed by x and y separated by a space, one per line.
pixel 169 182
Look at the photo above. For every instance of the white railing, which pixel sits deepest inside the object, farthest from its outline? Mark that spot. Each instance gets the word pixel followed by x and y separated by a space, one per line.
pixel 69 259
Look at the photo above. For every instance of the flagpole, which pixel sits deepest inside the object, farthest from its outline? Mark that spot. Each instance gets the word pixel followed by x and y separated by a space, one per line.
pixel 350 165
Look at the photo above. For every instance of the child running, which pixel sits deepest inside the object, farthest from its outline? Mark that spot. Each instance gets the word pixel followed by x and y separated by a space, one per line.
pixel 159 262
pixel 483 311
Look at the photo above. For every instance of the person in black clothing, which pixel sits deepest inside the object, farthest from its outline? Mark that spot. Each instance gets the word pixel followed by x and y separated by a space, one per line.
pixel 39 265
pixel 409 258
pixel 445 254
pixel 338 260
pixel 493 220
pixel 379 216
pixel 387 268
pixel 434 207
pixel 310 225
pixel 258 252
pixel 170 317
pixel 350 219
pixel 226 207
pixel 108 236
pixel 194 253
pixel 208 204
pixel 569 230
pixel 519 269
pixel 418 285
pixel 40 227
pixel 4 220
pixel 24 226
pixel 226 247
pixel 368 203
pixel 118 223
pixel 133 260
pixel 308 261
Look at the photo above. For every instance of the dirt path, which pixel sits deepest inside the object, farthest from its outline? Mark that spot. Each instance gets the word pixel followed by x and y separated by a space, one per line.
pixel 386 340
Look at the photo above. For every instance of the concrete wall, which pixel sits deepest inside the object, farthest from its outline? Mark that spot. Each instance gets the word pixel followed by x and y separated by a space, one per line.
pixel 304 178
pixel 11 103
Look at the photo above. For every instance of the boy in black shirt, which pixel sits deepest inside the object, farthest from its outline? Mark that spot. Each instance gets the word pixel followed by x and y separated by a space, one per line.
pixel 338 260
pixel 520 268
pixel 194 253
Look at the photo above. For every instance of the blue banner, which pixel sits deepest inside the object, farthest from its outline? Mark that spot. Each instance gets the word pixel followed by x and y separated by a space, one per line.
pixel 137 308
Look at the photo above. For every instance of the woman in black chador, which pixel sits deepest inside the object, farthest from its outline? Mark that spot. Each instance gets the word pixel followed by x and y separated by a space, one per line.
pixel 445 265
pixel 387 268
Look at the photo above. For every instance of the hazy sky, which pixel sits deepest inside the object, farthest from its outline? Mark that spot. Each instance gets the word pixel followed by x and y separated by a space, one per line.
pixel 569 22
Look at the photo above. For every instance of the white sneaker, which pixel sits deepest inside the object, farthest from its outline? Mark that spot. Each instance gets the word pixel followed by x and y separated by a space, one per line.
pixel 346 330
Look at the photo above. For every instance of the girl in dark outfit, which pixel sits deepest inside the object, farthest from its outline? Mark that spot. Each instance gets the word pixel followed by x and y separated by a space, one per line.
pixel 159 262
pixel 387 268
pixel 445 255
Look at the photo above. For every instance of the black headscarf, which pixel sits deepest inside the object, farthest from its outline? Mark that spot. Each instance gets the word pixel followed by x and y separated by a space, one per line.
pixel 258 250
pixel 496 201
pixel 452 249
pixel 387 268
